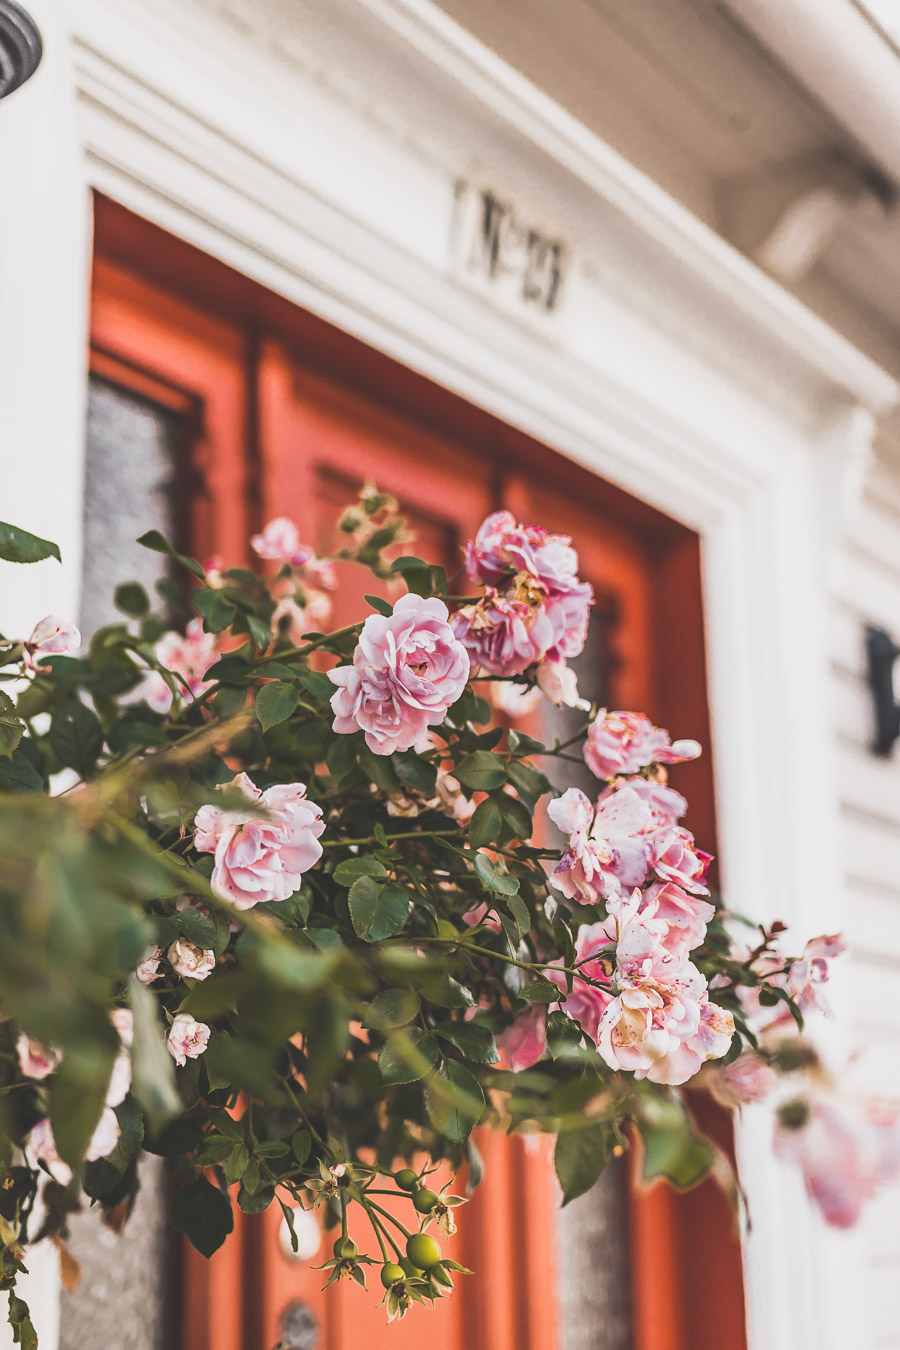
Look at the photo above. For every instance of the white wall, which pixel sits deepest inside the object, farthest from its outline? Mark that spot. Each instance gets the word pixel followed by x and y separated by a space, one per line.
pixel 866 589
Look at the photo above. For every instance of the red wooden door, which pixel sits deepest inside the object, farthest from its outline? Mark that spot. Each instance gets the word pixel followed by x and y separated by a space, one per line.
pixel 283 416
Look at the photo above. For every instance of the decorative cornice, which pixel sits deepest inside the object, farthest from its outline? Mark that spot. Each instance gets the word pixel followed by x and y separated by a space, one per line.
pixel 20 46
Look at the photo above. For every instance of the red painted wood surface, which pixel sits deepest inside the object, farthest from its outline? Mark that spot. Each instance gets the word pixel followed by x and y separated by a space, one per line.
pixel 284 415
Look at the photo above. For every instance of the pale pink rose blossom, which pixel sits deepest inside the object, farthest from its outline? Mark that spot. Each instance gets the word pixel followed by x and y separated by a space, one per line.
pixel 594 957
pixel 747 1079
pixel 505 634
pixel 607 853
pixel 320 571
pixel 261 855
pixel 685 916
pixel 41 1145
pixel 190 961
pixel 408 669
pixel 189 657
pixel 187 1038
pixel 568 615
pixel 120 1077
pixel 666 805
pixel 123 1021
pixel 280 542
pixel 213 570
pixel 515 700
pixel 51 637
pixel 844 1148
pixel 807 977
pixel 36 1060
pixel 483 914
pixel 624 742
pixel 148 969
pixel 502 547
pixel 450 797
pixel 525 1042
pixel 557 683
pixel 676 859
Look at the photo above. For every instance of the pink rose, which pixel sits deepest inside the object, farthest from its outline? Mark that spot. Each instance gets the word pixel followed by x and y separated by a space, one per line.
pixel 261 855
pixel 747 1079
pixel 187 1039
pixel 568 615
pixel 685 916
pixel 594 959
pixel 624 742
pixel 806 977
pixel 280 542
pixel 51 637
pixel 844 1149
pixel 607 854
pixel 676 859
pixel 557 683
pixel 504 634
pixel 36 1060
pixel 188 657
pixel 502 547
pixel 407 670
pixel 190 961
pixel 148 970
pixel 120 1077
pixel 666 805
pixel 483 914
pixel 41 1145
pixel 525 1042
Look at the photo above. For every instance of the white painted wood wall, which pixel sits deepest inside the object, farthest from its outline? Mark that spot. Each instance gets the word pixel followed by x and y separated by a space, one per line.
pixel 866 589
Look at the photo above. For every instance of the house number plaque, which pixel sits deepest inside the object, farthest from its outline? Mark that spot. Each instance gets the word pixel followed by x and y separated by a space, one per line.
pixel 505 255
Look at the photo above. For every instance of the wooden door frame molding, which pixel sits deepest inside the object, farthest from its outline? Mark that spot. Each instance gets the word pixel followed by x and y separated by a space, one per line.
pixel 683 376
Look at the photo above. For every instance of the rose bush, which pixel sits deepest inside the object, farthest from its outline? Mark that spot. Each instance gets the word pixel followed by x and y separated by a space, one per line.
pixel 285 906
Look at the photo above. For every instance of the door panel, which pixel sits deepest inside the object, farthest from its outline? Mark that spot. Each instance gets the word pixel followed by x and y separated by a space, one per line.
pixel 284 417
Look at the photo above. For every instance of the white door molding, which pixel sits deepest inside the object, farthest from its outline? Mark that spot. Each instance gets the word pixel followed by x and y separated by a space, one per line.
pixel 318 149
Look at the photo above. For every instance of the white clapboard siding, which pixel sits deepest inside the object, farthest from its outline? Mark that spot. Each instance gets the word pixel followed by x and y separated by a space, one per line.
pixel 866 589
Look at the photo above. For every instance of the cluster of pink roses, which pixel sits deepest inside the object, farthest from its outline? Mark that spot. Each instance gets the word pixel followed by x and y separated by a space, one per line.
pixel 260 854
pixel 535 610
pixel 636 994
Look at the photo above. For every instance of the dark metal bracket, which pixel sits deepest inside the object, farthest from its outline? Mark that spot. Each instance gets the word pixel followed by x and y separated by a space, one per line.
pixel 20 46
pixel 882 652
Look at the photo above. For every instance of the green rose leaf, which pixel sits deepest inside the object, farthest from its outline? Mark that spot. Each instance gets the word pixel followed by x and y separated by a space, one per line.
pixel 275 702
pixel 672 1147
pixel 377 911
pixel 19 546
pixel 408 1056
pixel 392 1008
pixel 486 823
pixel 203 1214
pixel 159 544
pixel 482 771
pixel 454 1101
pixel 472 1040
pixel 579 1159
pixel 350 869
pixel 131 598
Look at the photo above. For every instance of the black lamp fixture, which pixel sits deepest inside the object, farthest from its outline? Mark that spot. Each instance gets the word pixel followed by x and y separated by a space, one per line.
pixel 20 46
pixel 882 652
